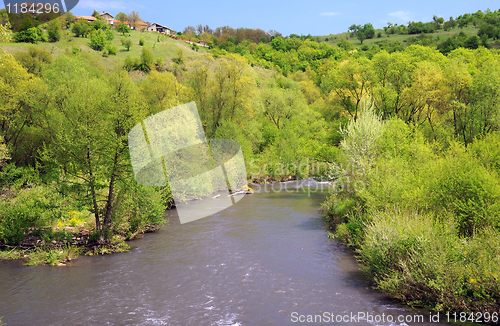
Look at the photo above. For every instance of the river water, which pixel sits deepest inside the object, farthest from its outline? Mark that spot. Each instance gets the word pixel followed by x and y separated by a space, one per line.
pixel 266 260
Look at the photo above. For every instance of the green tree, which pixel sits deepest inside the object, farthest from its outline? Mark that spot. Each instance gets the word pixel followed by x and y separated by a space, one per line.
pixel 24 100
pixel 123 28
pixel 98 40
pixel 54 30
pixel 147 60
pixel 346 45
pixel 349 84
pixel 31 35
pixel 134 18
pixel 162 91
pixel 368 30
pixel 223 93
pixel 360 138
pixel 110 36
pixel 361 36
pixel 91 143
pixel 81 28
pixel 121 17
pixel 472 42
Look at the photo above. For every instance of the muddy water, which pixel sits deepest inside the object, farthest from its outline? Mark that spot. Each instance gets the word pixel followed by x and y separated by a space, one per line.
pixel 265 261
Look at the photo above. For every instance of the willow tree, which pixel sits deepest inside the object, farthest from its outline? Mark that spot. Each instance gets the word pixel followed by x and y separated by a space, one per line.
pixel 349 83
pixel 223 92
pixel 89 126
pixel 22 103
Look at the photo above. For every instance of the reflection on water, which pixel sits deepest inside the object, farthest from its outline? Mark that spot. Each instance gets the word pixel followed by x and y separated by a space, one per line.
pixel 254 263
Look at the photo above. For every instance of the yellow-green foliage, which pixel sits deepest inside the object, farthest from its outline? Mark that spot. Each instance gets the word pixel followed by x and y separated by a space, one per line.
pixel 33 207
pixel 4 152
pixel 425 262
pixel 5 33
pixel 427 222
pixel 75 219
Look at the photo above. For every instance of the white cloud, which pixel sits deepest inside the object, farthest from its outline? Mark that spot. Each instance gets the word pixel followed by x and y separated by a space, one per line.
pixel 330 14
pixel 401 15
pixel 102 5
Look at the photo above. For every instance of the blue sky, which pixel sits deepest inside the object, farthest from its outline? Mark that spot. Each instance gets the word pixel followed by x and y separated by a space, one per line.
pixel 316 17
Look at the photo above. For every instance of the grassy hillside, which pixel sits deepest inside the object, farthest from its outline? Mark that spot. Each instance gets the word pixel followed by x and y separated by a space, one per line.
pixel 334 39
pixel 161 46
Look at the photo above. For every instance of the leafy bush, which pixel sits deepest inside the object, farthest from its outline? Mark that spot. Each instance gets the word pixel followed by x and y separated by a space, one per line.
pixel 34 207
pixel 111 49
pixel 147 60
pixel 110 36
pixel 5 35
pixel 127 44
pixel 98 40
pixel 141 42
pixel 34 59
pixel 81 28
pixel 425 263
pixel 31 35
pixel 466 189
pixel 18 177
pixel 105 53
pixel 54 30
pixel 129 64
pixel 123 28
pixel 136 208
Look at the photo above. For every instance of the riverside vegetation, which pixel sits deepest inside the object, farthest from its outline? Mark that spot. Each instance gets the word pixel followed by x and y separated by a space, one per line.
pixel 407 132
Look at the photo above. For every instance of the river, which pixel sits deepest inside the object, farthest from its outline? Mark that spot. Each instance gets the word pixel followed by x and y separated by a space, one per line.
pixel 266 260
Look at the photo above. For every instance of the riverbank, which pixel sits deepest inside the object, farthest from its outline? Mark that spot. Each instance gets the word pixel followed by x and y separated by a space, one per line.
pixel 423 220
pixel 65 246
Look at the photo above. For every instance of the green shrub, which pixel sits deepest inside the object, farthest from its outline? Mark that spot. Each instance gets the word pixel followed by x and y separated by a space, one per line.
pixel 129 64
pixel 123 28
pixel 31 35
pixel 127 44
pixel 147 60
pixel 105 53
pixel 32 208
pixel 81 28
pixel 467 190
pixel 141 42
pixel 136 208
pixel 18 177
pixel 423 262
pixel 110 36
pixel 34 59
pixel 111 49
pixel 98 40
pixel 54 30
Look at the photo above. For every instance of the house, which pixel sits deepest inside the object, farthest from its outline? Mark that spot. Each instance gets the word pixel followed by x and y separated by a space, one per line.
pixel 87 18
pixel 141 26
pixel 202 43
pixel 158 28
pixel 107 17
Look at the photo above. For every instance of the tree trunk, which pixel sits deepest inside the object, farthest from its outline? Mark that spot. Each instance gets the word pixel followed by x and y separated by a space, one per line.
pixel 109 203
pixel 94 197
